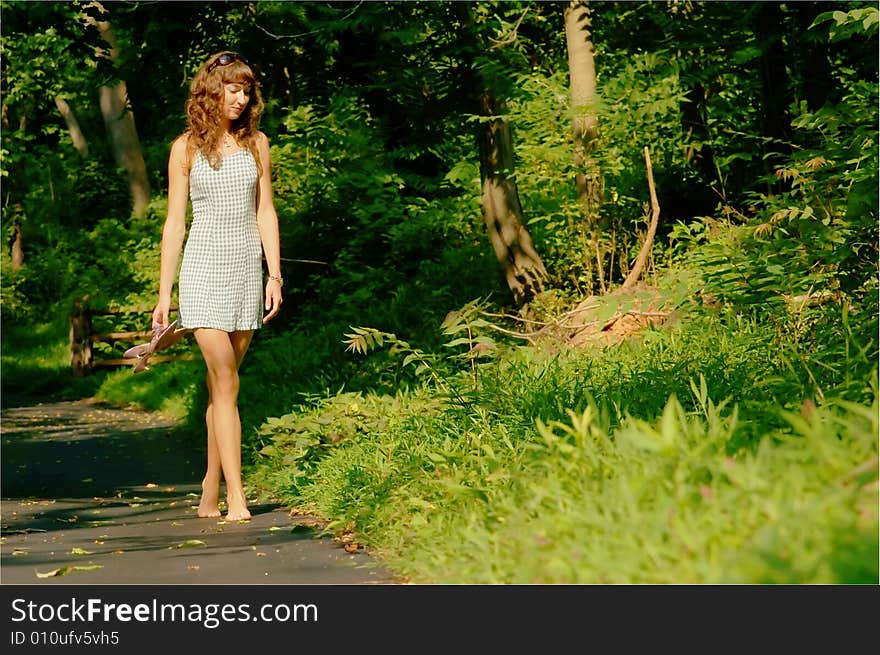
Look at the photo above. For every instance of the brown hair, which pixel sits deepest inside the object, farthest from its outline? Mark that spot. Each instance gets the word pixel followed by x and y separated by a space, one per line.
pixel 205 103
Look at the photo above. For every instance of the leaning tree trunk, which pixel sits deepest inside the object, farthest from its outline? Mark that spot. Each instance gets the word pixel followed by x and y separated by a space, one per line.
pixel 582 87
pixel 126 147
pixel 502 212
pixel 119 121
pixel 522 266
pixel 76 134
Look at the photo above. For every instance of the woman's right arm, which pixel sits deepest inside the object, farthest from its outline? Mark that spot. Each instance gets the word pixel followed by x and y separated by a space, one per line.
pixel 175 227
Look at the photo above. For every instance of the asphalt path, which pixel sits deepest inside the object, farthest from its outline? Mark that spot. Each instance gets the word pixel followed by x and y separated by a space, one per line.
pixel 98 495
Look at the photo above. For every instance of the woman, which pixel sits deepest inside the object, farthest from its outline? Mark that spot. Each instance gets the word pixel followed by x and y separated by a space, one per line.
pixel 222 164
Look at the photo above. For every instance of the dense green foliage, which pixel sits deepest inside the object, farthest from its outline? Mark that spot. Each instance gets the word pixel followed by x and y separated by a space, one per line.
pixel 738 442
pixel 612 467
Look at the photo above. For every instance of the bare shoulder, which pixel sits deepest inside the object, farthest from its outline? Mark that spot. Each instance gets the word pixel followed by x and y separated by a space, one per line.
pixel 179 157
pixel 179 147
pixel 262 142
pixel 263 149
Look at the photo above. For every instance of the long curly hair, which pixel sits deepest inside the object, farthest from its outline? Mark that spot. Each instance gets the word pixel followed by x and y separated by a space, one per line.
pixel 205 105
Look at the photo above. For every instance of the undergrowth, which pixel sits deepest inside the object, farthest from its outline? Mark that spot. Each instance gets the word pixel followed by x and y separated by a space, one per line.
pixel 692 455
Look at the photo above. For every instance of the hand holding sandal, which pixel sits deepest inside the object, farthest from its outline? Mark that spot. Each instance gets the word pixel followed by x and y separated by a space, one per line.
pixel 163 337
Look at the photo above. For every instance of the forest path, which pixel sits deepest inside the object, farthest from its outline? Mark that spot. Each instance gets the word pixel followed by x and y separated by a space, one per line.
pixel 93 494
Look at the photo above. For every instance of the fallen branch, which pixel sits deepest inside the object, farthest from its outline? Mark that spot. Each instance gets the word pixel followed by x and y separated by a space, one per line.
pixel 639 264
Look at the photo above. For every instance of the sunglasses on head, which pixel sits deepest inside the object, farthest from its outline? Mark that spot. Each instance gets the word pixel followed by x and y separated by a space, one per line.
pixel 225 59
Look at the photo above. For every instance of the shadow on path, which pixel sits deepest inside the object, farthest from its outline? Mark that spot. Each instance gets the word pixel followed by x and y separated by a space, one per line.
pixel 96 495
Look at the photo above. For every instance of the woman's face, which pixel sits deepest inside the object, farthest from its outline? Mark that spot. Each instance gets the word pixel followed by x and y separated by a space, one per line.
pixel 235 100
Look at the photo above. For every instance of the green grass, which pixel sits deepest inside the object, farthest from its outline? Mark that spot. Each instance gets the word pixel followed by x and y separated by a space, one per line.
pixel 692 456
pixel 169 388
pixel 35 361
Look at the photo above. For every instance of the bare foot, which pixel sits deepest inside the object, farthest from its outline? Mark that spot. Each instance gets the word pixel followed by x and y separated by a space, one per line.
pixel 237 509
pixel 209 507
pixel 208 511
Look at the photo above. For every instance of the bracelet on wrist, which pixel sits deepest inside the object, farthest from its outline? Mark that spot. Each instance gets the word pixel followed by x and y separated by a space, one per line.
pixel 278 279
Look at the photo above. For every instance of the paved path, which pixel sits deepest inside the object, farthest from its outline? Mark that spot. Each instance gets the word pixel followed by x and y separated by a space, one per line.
pixel 98 495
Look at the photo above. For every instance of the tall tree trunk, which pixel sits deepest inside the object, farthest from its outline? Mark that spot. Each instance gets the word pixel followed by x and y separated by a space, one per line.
pixel 693 119
pixel 584 127
pixel 76 134
pixel 17 250
pixel 776 94
pixel 126 147
pixel 502 212
pixel 699 198
pixel 582 86
pixel 16 246
pixel 810 54
pixel 119 120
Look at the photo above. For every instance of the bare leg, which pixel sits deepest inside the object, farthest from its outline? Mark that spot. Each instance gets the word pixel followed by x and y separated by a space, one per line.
pixel 209 504
pixel 223 353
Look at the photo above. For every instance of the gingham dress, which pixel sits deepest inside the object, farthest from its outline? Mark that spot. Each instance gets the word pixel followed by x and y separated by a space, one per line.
pixel 220 284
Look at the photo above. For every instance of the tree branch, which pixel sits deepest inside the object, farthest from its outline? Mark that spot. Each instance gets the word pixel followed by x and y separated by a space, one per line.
pixel 639 264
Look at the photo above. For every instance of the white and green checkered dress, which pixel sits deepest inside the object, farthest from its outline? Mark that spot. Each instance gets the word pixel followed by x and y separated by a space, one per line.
pixel 221 275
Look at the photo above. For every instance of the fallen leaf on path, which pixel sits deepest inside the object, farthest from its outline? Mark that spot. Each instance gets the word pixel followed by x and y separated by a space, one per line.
pixel 193 567
pixel 87 480
pixel 261 554
pixel 19 551
pixel 134 504
pixel 54 573
pixel 79 551
pixel 350 547
pixel 273 528
pixel 117 552
pixel 176 524
pixel 64 570
pixel 192 543
pixel 151 485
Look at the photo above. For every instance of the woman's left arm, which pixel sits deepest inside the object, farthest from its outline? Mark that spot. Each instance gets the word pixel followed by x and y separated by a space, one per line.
pixel 267 223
